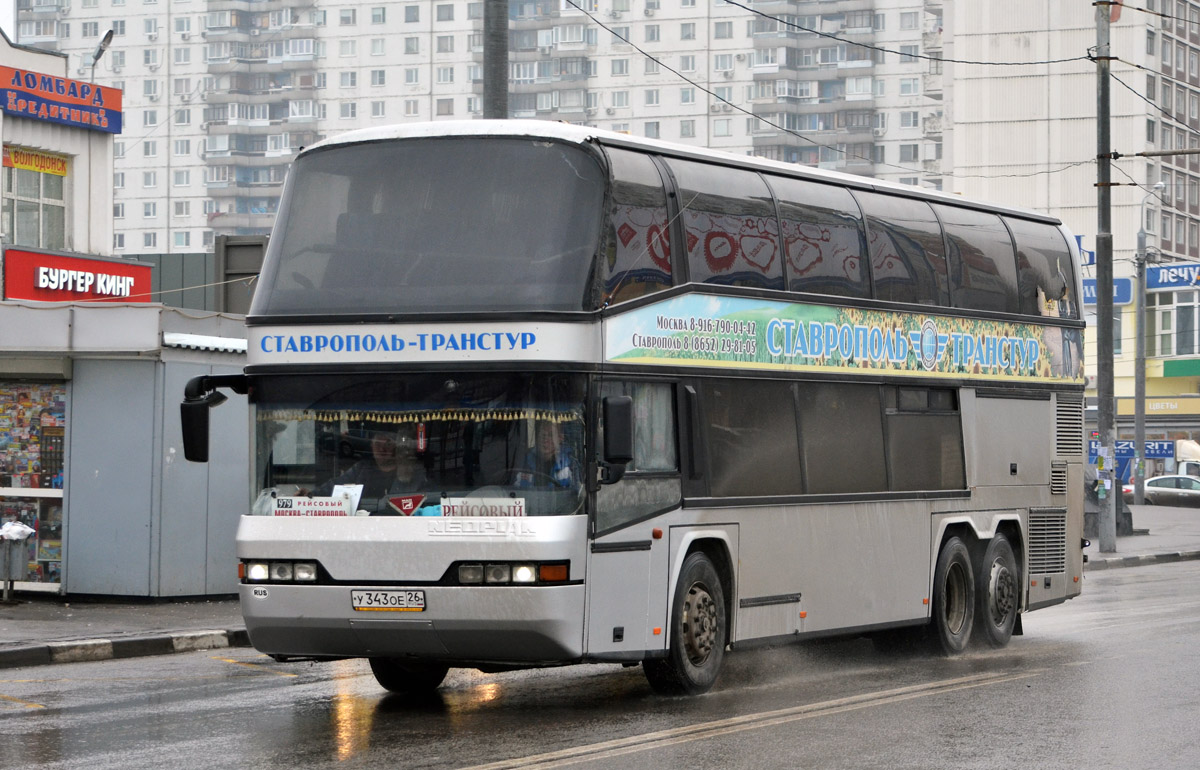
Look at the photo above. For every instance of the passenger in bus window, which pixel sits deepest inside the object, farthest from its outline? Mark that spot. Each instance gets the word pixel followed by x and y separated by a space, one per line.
pixel 394 465
pixel 550 462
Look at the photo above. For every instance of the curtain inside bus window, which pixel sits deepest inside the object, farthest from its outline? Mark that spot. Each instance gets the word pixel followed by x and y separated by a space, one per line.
pixel 637 255
pixel 842 432
pixel 730 226
pixel 823 238
pixel 924 439
pixel 436 225
pixel 983 265
pixel 904 239
pixel 651 483
pixel 1045 272
pixel 753 445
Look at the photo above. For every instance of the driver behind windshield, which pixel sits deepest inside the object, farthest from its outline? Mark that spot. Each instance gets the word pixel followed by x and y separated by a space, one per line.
pixel 394 466
pixel 550 462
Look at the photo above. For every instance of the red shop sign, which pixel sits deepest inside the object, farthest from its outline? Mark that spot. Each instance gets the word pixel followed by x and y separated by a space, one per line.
pixel 57 278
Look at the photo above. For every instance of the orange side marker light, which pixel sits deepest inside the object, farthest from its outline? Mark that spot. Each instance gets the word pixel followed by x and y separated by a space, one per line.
pixel 657 630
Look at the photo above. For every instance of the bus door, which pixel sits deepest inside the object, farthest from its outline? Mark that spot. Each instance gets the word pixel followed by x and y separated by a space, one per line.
pixel 628 558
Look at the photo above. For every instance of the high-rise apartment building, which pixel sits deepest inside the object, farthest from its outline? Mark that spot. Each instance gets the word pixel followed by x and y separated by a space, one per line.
pixel 219 94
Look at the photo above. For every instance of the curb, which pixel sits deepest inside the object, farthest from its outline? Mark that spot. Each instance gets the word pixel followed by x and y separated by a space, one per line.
pixel 124 647
pixel 1116 562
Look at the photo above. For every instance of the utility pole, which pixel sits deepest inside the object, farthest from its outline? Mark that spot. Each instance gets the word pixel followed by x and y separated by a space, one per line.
pixel 1106 457
pixel 495 59
pixel 1139 373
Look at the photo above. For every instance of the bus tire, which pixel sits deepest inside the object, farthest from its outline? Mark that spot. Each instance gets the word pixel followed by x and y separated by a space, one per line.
pixel 408 676
pixel 997 588
pixel 697 632
pixel 953 598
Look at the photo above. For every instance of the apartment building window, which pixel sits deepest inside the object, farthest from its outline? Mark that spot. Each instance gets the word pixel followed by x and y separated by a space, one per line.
pixel 118 211
pixel 347 48
pixel 149 210
pixel 90 29
pixel 378 77
pixel 445 106
pixel 909 119
pixel 411 108
pixel 149 179
pixel 445 12
pixel 183 239
pixel 412 76
pixel 412 45
pixel 183 178
pixel 908 53
pixel 723 62
pixel 379 15
pixel 879 23
pixel 445 74
pixel 150 149
pixel 910 86
pixel 183 56
pixel 149 118
pixel 909 153
pixel 687 129
pixel 348 110
pixel 182 148
pixel 723 30
pixel 119 180
pixel 378 47
pixel 620 98
pixel 150 240
pixel 412 14
pixel 150 27
pixel 687 63
pixel 118 27
pixel 378 109
pixel 650 130
pixel 651 97
pixel 909 20
pixel 620 35
pixel 348 17
pixel 119 241
pixel 349 79
pixel 687 31
pixel 652 67
pixel 723 127
pixel 445 44
pixel 724 93
pixel 620 66
pixel 150 57
pixel 687 96
pixel 651 32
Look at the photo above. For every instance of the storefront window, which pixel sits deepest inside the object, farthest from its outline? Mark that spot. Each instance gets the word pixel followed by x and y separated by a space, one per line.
pixel 34 210
pixel 32 432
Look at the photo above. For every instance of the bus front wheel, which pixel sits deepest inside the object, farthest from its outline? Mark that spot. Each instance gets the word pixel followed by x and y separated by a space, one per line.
pixel 408 676
pixel 997 589
pixel 953 597
pixel 698 631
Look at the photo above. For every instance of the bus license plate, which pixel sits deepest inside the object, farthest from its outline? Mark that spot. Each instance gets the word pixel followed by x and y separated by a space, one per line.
pixel 388 601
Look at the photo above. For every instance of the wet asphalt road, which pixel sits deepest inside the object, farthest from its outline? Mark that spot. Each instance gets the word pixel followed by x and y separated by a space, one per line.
pixel 1111 679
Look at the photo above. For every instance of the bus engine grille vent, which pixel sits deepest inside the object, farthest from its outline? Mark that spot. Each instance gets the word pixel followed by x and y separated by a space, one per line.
pixel 1068 429
pixel 1047 541
pixel 1058 478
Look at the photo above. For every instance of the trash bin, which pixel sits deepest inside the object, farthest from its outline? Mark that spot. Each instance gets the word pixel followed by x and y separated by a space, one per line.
pixel 14 563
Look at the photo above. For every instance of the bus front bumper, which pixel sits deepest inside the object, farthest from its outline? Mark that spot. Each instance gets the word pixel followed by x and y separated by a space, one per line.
pixel 468 625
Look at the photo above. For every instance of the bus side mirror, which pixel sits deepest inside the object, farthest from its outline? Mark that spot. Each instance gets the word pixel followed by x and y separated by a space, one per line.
pixel 199 395
pixel 618 437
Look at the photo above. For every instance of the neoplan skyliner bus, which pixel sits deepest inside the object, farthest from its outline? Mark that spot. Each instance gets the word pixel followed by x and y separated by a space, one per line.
pixel 777 403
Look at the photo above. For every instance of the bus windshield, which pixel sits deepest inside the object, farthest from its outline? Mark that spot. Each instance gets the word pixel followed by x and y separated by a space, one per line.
pixel 430 444
pixel 435 225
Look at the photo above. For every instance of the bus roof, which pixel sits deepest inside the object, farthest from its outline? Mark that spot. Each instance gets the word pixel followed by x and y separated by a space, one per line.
pixel 582 135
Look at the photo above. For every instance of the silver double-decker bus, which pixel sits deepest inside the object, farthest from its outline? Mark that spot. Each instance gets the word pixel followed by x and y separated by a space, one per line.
pixel 530 394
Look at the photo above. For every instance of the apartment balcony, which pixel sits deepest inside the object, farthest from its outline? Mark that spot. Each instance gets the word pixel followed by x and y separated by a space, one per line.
pixel 221 221
pixel 931 125
pixel 235 189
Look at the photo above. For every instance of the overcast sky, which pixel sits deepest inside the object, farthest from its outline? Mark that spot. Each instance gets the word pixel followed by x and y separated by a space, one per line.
pixel 6 18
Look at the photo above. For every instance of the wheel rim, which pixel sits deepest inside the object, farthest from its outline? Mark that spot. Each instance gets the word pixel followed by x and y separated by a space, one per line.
pixel 699 624
pixel 955 593
pixel 1002 593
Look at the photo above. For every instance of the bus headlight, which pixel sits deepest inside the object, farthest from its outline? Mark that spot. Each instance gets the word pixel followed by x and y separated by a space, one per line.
pixel 257 571
pixel 281 570
pixel 470 573
pixel 498 573
pixel 524 573
pixel 304 572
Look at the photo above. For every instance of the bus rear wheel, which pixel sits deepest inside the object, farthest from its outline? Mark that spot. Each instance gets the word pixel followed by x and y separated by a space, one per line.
pixel 997 589
pixel 408 676
pixel 953 597
pixel 698 632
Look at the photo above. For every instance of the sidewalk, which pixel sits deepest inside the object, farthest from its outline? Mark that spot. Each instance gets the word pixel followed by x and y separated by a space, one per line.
pixel 38 630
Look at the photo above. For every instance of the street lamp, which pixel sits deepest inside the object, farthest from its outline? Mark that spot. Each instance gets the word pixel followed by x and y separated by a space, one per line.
pixel 1139 365
pixel 100 49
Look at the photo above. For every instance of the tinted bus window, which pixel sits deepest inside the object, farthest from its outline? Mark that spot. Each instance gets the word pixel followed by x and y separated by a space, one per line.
pixel 1045 272
pixel 729 224
pixel 908 262
pixel 823 239
pixel 436 225
pixel 842 428
pixel 752 440
pixel 983 265
pixel 924 437
pixel 637 256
